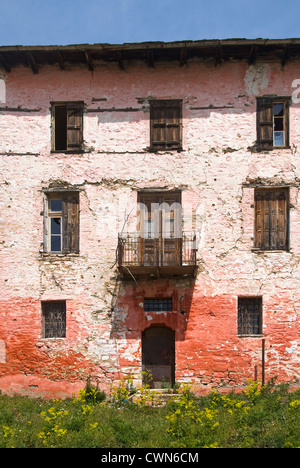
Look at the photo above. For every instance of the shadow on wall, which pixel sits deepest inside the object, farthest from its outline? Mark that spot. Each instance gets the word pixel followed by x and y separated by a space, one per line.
pixel 134 304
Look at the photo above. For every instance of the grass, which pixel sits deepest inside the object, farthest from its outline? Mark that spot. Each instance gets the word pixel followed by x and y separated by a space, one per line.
pixel 255 418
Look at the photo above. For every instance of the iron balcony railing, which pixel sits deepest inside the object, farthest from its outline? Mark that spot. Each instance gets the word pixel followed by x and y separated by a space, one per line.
pixel 136 250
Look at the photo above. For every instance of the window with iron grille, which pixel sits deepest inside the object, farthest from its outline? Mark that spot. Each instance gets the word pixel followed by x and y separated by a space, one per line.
pixel 54 319
pixel 158 305
pixel 249 316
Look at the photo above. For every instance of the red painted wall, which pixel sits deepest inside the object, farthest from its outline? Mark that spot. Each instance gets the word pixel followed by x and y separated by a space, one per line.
pixel 217 173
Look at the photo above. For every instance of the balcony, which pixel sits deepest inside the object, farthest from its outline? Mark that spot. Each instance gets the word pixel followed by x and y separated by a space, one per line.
pixel 156 256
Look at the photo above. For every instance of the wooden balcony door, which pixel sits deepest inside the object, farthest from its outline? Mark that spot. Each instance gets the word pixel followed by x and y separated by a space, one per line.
pixel 160 227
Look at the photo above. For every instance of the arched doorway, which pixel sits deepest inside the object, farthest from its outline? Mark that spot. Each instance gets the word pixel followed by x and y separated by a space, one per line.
pixel 158 356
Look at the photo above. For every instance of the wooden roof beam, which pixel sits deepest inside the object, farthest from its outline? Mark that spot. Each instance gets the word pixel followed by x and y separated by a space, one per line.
pixel 218 56
pixel 285 56
pixel 150 58
pixel 4 63
pixel 32 62
pixel 89 60
pixel 183 56
pixel 121 60
pixel 253 55
pixel 60 60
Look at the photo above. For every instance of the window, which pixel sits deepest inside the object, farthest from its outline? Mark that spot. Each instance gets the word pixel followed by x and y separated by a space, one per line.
pixel 55 221
pixel 272 219
pixel 160 226
pixel 249 316
pixel 272 123
pixel 158 305
pixel 54 319
pixel 67 126
pixel 166 123
pixel 61 222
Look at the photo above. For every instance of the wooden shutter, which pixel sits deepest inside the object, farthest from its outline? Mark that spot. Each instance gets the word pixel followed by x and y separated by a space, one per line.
pixel 265 123
pixel 171 229
pixel 149 214
pixel 271 219
pixel 262 221
pixel 164 212
pixel 71 223
pixel 279 220
pixel 46 224
pixel 287 121
pixel 74 126
pixel 166 122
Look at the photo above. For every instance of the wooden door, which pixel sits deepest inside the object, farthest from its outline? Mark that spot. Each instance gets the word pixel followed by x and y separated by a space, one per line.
pixel 160 225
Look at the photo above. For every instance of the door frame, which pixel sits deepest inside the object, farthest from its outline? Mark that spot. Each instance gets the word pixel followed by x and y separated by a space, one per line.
pixel 159 357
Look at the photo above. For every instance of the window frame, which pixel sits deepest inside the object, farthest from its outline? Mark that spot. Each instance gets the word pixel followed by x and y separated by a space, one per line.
pixel 165 106
pixel 266 104
pixel 161 301
pixel 70 219
pixel 271 194
pixel 248 301
pixel 69 105
pixel 52 214
pixel 46 332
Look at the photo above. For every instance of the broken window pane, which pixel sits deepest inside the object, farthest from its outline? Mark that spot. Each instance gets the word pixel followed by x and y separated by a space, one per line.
pixel 55 226
pixel 55 229
pixel 278 124
pixel 278 109
pixel 279 133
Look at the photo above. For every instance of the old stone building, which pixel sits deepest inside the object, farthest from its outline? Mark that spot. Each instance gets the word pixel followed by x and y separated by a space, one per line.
pixel 149 214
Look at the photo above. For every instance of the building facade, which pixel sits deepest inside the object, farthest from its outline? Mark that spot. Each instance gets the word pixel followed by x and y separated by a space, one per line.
pixel 150 214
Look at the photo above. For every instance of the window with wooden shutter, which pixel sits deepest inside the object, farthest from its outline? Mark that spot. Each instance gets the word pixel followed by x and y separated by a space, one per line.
pixel 272 122
pixel 249 316
pixel 61 223
pixel 272 219
pixel 67 126
pixel 166 125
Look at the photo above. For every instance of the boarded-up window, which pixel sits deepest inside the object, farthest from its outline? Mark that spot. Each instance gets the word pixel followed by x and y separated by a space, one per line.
pixel 249 315
pixel 166 123
pixel 272 219
pixel 54 319
pixel 272 123
pixel 61 222
pixel 67 126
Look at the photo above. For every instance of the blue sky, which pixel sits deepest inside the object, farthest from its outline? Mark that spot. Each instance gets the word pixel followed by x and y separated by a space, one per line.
pixel 61 22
